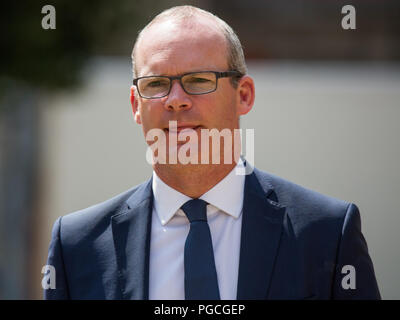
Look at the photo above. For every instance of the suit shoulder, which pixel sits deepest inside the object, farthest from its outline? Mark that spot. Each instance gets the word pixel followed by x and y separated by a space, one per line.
pixel 302 200
pixel 82 222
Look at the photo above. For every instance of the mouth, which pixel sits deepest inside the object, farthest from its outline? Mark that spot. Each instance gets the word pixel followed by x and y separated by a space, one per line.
pixel 182 128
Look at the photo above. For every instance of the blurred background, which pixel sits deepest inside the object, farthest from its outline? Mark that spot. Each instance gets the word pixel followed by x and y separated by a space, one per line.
pixel 326 114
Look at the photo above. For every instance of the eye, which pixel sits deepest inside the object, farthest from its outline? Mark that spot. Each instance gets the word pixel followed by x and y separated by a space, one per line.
pixel 198 80
pixel 202 80
pixel 156 83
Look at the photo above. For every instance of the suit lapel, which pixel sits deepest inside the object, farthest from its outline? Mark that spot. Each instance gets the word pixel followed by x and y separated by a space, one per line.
pixel 261 231
pixel 131 233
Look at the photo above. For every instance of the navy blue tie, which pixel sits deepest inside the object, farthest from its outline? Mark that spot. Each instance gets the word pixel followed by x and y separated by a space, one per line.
pixel 201 281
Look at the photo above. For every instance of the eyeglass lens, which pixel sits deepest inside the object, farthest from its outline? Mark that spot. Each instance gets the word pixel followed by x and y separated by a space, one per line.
pixel 193 83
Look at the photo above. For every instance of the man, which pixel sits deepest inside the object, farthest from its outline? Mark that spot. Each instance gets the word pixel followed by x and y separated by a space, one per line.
pixel 197 229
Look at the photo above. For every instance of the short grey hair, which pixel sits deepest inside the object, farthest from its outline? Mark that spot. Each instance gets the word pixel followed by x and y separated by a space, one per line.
pixel 235 57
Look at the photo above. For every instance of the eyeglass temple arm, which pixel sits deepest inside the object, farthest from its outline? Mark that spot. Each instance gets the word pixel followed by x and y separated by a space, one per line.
pixel 229 73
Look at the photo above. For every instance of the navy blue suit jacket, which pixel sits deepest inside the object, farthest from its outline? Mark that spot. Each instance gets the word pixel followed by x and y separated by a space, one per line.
pixel 294 245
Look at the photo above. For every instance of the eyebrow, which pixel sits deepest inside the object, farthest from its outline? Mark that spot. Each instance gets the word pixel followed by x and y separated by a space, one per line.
pixel 180 74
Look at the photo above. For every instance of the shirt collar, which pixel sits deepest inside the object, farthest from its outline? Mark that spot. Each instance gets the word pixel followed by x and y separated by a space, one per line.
pixel 227 195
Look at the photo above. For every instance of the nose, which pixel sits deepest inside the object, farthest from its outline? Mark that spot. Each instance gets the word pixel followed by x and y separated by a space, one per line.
pixel 177 99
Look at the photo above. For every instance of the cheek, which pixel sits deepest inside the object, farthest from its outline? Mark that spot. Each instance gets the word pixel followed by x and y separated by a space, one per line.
pixel 150 114
pixel 226 112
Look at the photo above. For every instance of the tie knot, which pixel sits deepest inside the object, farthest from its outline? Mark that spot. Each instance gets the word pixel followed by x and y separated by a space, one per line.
pixel 195 210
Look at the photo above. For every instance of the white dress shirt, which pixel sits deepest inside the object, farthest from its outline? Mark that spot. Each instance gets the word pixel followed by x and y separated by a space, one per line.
pixel 170 228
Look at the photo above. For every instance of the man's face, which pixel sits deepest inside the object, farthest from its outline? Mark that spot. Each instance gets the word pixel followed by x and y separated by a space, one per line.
pixel 174 49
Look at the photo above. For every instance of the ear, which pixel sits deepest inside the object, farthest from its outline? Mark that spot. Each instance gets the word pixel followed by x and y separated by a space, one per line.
pixel 134 103
pixel 245 95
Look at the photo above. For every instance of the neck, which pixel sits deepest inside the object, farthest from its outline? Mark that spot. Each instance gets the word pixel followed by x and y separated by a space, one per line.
pixel 192 180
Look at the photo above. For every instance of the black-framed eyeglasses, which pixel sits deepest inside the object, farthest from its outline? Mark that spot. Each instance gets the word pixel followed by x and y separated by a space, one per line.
pixel 195 83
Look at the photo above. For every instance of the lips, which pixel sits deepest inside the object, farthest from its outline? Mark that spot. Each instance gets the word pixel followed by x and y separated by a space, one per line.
pixel 182 128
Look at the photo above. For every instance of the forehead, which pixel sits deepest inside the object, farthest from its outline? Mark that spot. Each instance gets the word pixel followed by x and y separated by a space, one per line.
pixel 171 48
